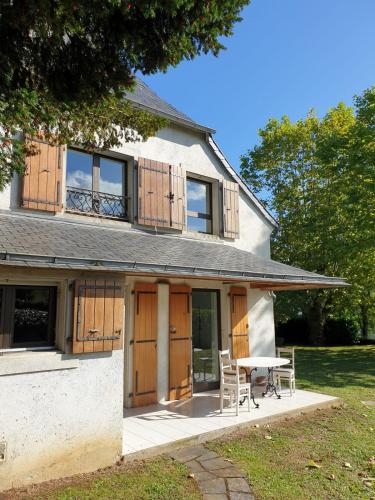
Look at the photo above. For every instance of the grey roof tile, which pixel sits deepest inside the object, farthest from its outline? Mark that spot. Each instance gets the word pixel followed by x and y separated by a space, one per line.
pixel 61 242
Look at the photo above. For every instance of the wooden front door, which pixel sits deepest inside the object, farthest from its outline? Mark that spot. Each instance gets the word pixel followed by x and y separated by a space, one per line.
pixel 180 342
pixel 145 344
pixel 239 322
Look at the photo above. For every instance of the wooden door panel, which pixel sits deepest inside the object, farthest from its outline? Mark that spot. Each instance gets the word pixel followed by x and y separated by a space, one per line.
pixel 180 342
pixel 239 322
pixel 145 345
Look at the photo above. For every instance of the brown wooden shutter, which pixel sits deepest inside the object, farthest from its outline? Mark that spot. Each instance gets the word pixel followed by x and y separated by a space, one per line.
pixel 98 316
pixel 41 187
pixel 231 209
pixel 153 193
pixel 239 322
pixel 180 342
pixel 145 344
pixel 178 192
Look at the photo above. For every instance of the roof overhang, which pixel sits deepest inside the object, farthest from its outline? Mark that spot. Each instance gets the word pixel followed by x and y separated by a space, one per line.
pixel 262 281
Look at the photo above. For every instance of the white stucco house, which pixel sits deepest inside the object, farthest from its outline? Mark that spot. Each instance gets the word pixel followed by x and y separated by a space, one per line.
pixel 122 273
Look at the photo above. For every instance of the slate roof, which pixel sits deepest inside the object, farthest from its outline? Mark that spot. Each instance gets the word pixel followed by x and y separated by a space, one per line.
pixel 148 99
pixel 58 243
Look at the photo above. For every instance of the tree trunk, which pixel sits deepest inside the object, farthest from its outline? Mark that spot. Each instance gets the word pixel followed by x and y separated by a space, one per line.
pixel 316 319
pixel 364 321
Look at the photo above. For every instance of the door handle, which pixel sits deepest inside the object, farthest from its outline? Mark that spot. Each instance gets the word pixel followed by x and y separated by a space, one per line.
pixel 172 329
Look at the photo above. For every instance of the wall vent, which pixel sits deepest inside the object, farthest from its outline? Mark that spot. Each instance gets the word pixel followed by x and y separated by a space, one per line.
pixel 3 451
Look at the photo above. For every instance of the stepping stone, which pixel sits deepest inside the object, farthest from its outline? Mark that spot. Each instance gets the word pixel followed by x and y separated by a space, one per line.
pixel 228 472
pixel 238 485
pixel 215 497
pixel 208 455
pixel 203 476
pixel 186 454
pixel 216 485
pixel 195 466
pixel 215 463
pixel 241 496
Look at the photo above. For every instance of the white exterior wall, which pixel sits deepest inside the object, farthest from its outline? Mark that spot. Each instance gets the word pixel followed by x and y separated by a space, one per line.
pixel 62 422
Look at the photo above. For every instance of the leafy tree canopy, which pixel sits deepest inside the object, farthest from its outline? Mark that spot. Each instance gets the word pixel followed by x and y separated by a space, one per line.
pixel 318 177
pixel 64 65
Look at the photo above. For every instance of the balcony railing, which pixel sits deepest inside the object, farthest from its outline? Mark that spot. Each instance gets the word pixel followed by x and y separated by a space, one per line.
pixel 96 203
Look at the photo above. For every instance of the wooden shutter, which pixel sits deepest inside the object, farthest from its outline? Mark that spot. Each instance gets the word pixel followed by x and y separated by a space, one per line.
pixel 41 187
pixel 178 196
pixel 239 322
pixel 145 344
pixel 153 193
pixel 180 342
pixel 98 316
pixel 231 209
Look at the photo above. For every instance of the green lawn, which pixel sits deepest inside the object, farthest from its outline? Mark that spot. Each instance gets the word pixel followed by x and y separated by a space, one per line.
pixel 158 479
pixel 278 467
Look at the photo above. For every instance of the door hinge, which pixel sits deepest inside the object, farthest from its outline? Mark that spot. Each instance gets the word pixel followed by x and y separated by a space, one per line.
pixel 130 394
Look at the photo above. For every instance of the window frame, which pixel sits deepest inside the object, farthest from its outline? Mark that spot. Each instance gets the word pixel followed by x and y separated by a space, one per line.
pixel 95 175
pixel 7 312
pixel 200 215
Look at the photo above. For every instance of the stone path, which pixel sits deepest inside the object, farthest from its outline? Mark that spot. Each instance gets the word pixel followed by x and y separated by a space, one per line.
pixel 217 478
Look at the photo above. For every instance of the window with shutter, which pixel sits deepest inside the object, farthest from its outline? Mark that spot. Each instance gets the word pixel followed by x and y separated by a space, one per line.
pixel 231 209
pixel 98 316
pixel 41 186
pixel 161 194
pixel 239 322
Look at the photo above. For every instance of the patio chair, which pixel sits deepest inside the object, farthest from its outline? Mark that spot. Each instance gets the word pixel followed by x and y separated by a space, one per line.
pixel 288 374
pixel 233 384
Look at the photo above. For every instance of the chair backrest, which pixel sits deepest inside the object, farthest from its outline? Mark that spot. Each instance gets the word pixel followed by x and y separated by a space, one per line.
pixel 229 373
pixel 286 352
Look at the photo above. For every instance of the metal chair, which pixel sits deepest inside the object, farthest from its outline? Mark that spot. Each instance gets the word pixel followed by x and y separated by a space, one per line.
pixel 233 384
pixel 288 374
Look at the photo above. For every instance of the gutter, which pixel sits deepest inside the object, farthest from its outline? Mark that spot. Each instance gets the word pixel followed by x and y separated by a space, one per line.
pixel 32 260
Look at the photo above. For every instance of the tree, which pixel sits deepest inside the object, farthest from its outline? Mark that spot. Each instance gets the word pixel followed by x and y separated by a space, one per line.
pixel 65 65
pixel 318 177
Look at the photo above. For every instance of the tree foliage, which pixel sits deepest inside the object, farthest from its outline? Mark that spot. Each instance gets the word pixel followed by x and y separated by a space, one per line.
pixel 65 65
pixel 318 177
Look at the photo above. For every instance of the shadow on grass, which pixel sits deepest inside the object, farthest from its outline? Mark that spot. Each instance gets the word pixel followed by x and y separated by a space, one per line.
pixel 336 367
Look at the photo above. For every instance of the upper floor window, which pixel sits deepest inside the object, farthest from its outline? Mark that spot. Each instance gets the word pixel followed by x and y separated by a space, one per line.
pixel 199 205
pixel 96 185
pixel 27 316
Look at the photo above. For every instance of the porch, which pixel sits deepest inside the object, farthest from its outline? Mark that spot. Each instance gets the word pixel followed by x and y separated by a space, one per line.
pixel 159 428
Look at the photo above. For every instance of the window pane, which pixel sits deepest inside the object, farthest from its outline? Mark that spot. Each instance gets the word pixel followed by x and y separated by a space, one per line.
pixel 198 196
pixel 31 315
pixel 200 225
pixel 79 170
pixel 111 176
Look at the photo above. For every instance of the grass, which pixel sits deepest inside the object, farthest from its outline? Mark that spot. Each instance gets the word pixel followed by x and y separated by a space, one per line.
pixel 278 467
pixel 158 479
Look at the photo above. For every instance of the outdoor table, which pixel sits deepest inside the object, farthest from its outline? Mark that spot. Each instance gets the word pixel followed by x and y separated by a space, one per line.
pixel 262 362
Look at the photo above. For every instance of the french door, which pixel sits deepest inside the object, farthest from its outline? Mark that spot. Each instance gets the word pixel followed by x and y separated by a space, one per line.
pixel 206 339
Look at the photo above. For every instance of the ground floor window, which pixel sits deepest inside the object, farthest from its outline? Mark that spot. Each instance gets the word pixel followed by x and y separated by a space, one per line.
pixel 27 316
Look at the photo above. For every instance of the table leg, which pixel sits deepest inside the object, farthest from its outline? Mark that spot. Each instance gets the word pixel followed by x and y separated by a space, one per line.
pixel 252 394
pixel 271 387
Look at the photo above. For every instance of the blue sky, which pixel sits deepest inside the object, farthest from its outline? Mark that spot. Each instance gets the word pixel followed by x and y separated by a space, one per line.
pixel 285 57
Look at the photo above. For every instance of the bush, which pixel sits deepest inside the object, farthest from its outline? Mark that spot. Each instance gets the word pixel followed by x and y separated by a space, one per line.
pixel 295 331
pixel 341 332
pixel 337 332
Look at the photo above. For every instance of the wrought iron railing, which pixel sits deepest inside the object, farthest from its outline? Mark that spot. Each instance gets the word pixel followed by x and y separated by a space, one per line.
pixel 96 203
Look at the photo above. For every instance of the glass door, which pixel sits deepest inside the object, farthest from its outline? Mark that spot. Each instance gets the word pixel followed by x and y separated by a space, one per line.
pixel 206 339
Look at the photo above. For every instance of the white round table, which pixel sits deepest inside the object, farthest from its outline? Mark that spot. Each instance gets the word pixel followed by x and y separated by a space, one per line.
pixel 254 362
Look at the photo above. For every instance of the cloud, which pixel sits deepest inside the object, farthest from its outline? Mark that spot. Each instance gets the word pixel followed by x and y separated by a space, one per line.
pixel 81 180
pixel 196 192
